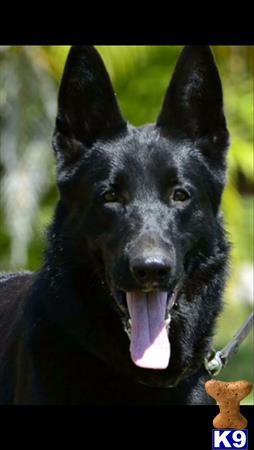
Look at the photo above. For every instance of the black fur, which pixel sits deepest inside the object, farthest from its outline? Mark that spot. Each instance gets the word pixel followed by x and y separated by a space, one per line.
pixel 62 339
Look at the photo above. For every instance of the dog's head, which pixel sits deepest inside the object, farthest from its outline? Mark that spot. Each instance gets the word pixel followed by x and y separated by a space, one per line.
pixel 145 200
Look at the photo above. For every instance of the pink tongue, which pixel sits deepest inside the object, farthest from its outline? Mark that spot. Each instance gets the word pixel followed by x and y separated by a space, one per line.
pixel 150 347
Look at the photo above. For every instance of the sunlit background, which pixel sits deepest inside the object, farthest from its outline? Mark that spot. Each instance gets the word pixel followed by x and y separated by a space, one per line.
pixel 29 78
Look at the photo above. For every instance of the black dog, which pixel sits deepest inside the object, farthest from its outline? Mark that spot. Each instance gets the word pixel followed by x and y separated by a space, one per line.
pixel 124 307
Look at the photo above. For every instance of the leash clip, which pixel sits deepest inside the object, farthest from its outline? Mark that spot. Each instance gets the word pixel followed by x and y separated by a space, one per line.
pixel 213 363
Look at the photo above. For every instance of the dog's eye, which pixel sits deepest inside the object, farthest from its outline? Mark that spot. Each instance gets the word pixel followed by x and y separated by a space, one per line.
pixel 110 196
pixel 180 195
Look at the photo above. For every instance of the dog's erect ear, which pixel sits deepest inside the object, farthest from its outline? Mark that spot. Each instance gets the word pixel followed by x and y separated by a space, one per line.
pixel 87 106
pixel 193 105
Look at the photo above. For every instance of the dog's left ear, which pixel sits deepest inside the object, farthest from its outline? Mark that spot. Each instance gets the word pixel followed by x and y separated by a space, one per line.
pixel 87 105
pixel 193 105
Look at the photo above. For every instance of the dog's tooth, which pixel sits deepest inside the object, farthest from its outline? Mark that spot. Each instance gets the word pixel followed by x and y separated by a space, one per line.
pixel 127 328
pixel 168 320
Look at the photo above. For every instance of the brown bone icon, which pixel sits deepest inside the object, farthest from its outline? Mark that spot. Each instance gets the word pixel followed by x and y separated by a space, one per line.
pixel 229 396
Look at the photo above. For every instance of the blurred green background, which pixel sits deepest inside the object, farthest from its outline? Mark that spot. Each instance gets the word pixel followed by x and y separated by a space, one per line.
pixel 29 79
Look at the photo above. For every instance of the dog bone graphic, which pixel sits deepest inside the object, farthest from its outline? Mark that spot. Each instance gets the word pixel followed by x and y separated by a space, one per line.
pixel 229 395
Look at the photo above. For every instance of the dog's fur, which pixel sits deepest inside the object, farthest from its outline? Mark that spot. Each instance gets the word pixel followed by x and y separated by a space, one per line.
pixel 62 338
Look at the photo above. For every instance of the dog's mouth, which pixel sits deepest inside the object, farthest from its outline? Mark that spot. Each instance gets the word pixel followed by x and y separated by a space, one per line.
pixel 146 318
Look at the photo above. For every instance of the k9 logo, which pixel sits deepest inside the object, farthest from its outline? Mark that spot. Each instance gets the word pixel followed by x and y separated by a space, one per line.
pixel 230 439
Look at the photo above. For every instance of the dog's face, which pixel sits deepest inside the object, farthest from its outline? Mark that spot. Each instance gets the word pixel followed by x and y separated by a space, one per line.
pixel 145 200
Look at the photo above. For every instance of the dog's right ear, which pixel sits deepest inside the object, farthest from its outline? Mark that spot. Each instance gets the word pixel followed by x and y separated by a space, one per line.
pixel 87 106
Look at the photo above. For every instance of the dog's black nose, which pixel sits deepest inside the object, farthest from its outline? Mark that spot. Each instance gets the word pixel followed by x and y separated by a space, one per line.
pixel 151 269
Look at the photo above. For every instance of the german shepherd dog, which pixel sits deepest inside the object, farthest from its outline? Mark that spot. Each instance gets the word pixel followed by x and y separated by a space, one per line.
pixel 123 310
